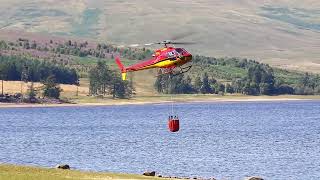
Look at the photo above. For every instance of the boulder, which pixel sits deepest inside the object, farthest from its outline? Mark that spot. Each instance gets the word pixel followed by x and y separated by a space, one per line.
pixel 152 173
pixel 62 166
pixel 253 178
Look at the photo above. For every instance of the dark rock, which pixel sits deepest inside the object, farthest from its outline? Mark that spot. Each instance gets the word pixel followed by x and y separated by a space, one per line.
pixel 62 166
pixel 152 173
pixel 160 176
pixel 253 178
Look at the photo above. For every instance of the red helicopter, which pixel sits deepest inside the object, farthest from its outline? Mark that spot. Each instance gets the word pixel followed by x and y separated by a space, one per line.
pixel 169 60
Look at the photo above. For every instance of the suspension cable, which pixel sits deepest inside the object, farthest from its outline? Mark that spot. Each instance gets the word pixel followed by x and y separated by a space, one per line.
pixel 171 99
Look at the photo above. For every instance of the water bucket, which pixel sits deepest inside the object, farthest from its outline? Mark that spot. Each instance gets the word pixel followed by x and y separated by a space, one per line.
pixel 173 125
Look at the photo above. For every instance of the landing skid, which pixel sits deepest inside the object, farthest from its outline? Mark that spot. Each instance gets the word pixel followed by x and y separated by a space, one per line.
pixel 182 70
pixel 172 71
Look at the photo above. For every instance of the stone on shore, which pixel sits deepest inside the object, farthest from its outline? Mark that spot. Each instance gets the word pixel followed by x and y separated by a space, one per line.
pixel 152 173
pixel 253 178
pixel 62 166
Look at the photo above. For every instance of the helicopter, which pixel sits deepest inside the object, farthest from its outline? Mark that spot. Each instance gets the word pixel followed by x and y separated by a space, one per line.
pixel 169 60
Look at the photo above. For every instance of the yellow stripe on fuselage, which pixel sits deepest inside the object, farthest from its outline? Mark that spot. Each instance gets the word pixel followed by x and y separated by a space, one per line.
pixel 161 64
pixel 166 63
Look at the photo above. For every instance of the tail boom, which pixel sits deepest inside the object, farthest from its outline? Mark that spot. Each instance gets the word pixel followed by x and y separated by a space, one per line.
pixel 122 68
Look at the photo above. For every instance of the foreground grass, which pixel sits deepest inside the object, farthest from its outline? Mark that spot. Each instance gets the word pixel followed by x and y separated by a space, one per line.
pixel 12 172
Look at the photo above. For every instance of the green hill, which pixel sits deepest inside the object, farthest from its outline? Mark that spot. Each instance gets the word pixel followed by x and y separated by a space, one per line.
pixel 82 56
pixel 282 33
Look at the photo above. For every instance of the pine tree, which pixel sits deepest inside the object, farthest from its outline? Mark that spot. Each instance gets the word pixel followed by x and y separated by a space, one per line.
pixel 100 79
pixel 158 84
pixel 205 88
pixel 229 89
pixel 121 89
pixel 50 88
pixel 198 84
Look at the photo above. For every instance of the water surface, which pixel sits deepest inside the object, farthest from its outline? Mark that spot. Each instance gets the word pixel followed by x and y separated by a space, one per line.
pixel 275 140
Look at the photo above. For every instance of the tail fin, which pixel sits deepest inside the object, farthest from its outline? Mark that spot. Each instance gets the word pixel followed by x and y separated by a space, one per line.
pixel 122 68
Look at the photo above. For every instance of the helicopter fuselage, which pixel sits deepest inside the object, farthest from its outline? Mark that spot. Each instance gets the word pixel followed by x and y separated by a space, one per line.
pixel 165 58
pixel 168 57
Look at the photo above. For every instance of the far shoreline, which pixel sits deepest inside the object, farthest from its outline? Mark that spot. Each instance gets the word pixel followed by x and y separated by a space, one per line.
pixel 179 99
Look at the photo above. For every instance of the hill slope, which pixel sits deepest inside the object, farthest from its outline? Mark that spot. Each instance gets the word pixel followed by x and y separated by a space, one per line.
pixel 284 33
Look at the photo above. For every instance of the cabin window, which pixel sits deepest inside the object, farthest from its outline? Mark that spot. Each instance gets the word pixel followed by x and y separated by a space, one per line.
pixel 180 51
pixel 171 54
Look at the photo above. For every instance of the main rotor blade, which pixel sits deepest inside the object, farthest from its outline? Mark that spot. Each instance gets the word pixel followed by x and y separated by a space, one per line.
pixel 134 45
pixel 163 42
pixel 137 45
pixel 149 44
pixel 183 43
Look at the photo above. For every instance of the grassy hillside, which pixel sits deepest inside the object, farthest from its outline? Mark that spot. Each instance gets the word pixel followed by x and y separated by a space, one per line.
pixel 84 55
pixel 283 33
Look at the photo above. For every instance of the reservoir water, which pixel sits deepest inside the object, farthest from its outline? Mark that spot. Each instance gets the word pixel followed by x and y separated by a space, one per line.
pixel 274 140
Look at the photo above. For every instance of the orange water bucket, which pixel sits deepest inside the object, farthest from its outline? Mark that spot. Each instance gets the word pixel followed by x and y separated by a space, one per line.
pixel 173 125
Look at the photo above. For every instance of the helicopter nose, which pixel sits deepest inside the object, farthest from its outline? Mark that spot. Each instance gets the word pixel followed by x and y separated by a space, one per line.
pixel 189 57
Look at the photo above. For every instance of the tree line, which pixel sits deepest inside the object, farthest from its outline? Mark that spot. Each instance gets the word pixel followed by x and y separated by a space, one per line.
pixel 183 84
pixel 16 68
pixel 103 80
pixel 81 49
pixel 254 78
pixel 259 80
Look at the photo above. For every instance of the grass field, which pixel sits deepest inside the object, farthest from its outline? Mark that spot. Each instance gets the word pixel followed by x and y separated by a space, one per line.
pixel 143 83
pixel 12 87
pixel 12 172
